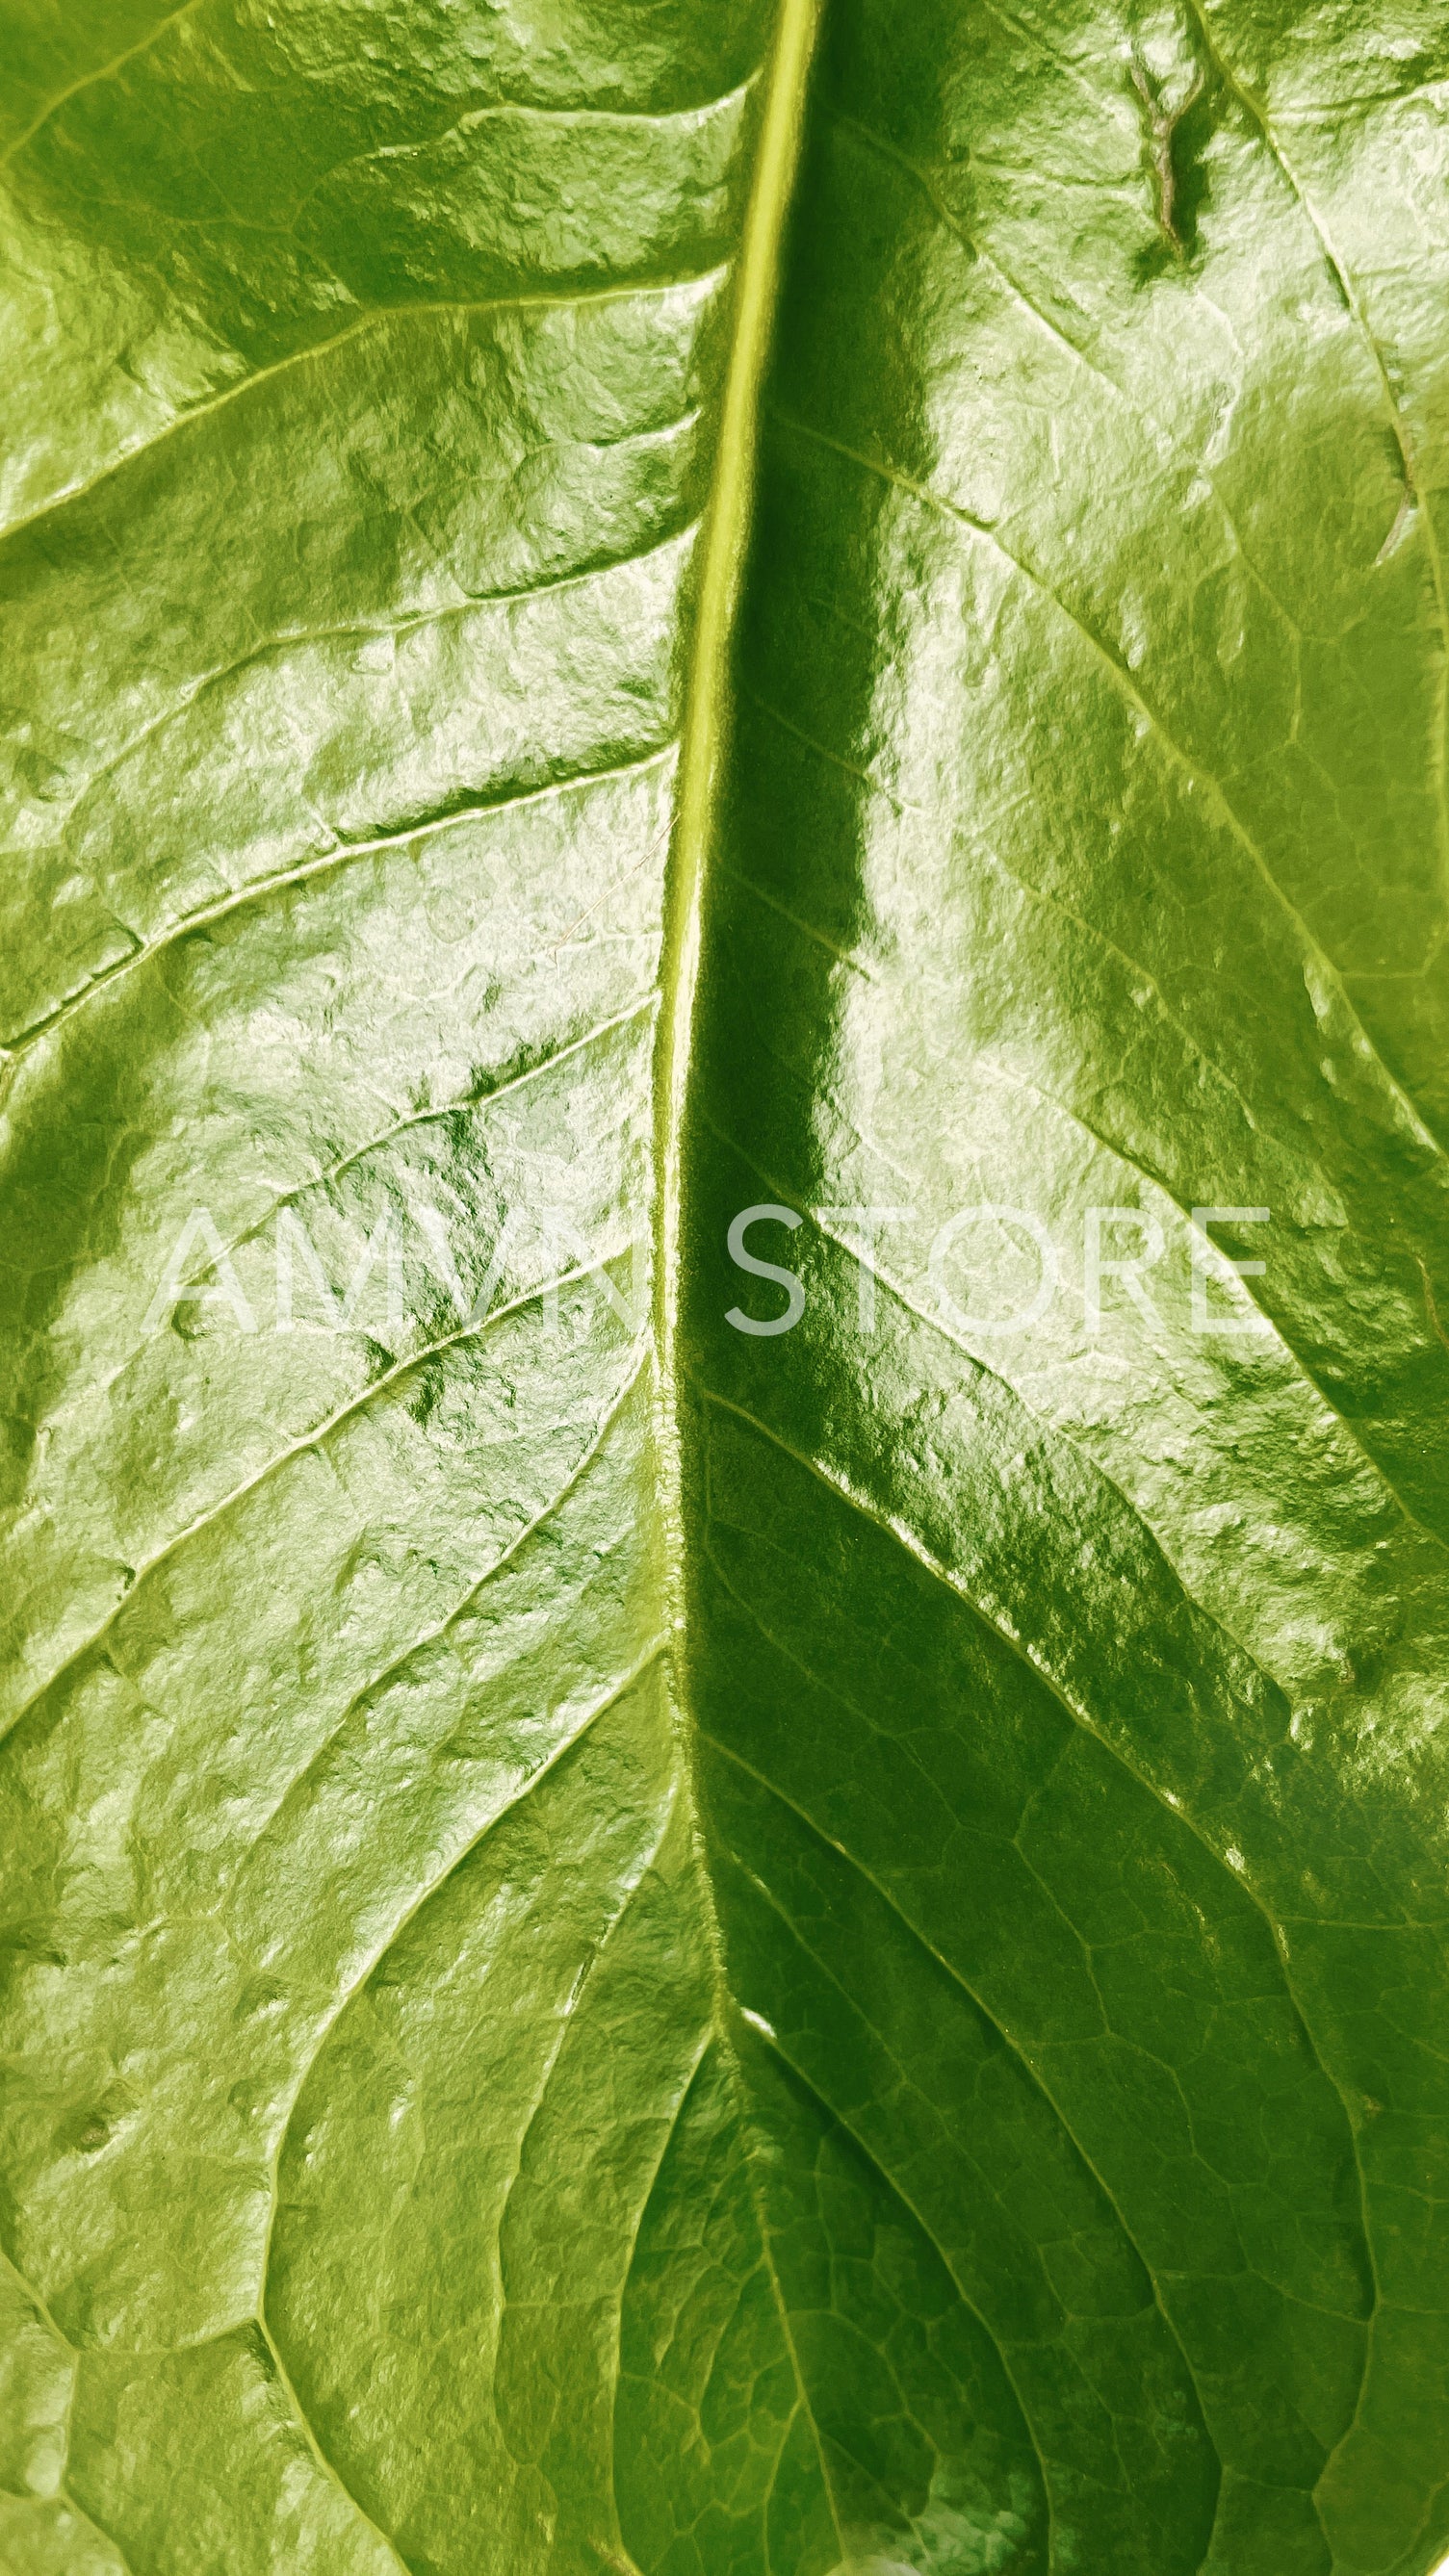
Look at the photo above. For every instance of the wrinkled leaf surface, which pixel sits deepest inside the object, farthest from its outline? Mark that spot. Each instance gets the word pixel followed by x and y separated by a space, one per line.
pixel 629 1944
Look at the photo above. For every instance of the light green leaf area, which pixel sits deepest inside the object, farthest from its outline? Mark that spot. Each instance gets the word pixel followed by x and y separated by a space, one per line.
pixel 632 1948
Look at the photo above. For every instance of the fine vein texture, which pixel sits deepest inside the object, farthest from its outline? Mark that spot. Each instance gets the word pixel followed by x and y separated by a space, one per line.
pixel 628 1944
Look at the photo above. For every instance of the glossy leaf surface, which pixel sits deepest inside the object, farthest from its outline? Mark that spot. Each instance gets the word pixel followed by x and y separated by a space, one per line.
pixel 631 1944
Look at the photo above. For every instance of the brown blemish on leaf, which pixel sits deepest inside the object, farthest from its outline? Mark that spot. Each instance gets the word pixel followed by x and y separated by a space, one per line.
pixel 1162 123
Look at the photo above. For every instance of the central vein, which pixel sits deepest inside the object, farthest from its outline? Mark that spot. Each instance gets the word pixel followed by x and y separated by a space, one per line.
pixel 707 705
pixel 702 759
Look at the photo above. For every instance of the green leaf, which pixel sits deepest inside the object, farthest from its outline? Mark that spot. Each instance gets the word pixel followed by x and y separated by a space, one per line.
pixel 632 1944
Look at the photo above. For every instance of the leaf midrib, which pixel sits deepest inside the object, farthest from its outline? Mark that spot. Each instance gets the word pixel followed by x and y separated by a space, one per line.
pixel 725 538
pixel 703 744
pixel 703 740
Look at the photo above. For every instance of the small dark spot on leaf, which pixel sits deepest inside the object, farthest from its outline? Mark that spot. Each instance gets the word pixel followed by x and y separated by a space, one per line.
pixel 1178 119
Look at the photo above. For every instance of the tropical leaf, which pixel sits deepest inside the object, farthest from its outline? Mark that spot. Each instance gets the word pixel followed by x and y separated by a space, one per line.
pixel 724 1826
